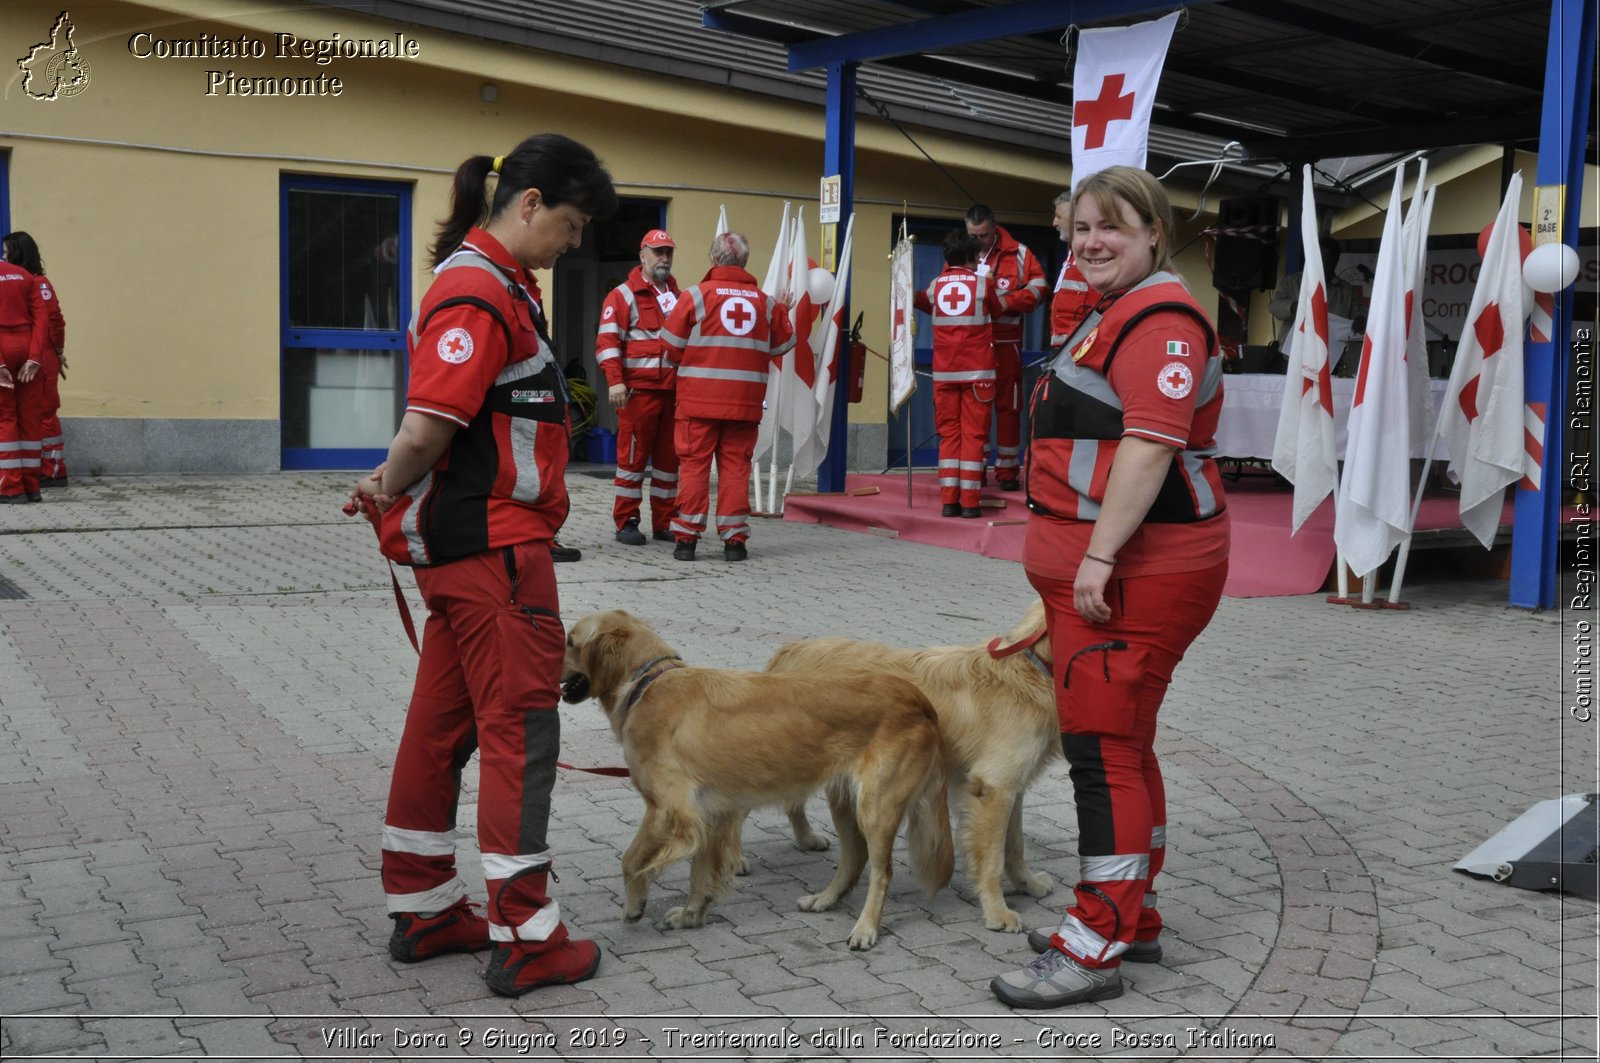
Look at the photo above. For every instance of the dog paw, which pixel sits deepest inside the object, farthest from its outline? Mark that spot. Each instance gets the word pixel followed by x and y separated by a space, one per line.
pixel 743 868
pixel 682 918
pixel 632 915
pixel 1034 884
pixel 815 843
pixel 863 938
pixel 816 902
pixel 1006 920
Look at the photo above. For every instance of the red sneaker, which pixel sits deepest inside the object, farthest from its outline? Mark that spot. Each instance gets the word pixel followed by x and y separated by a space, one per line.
pixel 515 969
pixel 459 928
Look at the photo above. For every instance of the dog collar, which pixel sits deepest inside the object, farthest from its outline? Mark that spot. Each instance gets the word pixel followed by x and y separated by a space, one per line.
pixel 644 677
pixel 1025 647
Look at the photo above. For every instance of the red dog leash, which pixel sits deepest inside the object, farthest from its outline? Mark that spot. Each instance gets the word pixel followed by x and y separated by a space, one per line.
pixel 1024 647
pixel 370 511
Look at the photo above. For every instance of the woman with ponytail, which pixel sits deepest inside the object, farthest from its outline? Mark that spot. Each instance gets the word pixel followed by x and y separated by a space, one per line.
pixel 471 497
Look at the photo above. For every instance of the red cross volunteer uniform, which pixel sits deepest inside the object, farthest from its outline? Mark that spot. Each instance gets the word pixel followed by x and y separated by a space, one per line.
pixel 629 351
pixel 24 338
pixel 1019 281
pixel 723 336
pixel 1143 365
pixel 1070 303
pixel 963 307
pixel 477 529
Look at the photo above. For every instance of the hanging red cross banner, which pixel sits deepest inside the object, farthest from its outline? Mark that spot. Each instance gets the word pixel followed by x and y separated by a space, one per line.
pixel 1113 92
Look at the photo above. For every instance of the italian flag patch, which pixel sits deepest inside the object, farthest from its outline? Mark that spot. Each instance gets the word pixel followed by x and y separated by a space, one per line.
pixel 1177 349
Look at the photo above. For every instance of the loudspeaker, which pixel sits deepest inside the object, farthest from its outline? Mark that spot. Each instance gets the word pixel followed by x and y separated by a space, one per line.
pixel 1246 261
pixel 1554 845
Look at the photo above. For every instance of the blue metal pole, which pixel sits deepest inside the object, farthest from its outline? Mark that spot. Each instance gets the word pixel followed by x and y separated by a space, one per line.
pixel 839 157
pixel 1563 132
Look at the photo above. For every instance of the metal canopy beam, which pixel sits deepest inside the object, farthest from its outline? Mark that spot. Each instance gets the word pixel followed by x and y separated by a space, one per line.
pixel 1510 128
pixel 1387 40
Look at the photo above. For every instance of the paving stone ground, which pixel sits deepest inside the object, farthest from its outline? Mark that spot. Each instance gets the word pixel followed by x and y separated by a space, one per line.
pixel 203 682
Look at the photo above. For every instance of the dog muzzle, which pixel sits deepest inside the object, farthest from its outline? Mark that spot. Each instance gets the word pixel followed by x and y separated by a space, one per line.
pixel 575 688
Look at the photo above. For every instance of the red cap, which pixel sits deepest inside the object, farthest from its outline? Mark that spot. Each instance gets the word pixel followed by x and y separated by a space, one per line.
pixel 656 238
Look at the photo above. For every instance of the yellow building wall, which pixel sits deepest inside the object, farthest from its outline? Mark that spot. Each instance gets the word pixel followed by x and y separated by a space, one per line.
pixel 168 259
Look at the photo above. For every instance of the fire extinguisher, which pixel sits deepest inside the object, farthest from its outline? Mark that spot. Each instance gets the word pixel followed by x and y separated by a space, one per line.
pixel 858 360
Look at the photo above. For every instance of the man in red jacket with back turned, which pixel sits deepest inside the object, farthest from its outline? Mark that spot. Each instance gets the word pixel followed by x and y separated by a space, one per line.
pixel 629 351
pixel 1019 281
pixel 722 338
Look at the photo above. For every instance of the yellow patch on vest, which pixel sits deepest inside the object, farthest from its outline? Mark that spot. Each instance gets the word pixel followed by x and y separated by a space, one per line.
pixel 1083 348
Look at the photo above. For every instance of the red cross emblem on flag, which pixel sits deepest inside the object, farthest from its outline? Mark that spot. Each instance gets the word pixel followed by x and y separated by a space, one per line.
pixel 1112 105
pixel 738 316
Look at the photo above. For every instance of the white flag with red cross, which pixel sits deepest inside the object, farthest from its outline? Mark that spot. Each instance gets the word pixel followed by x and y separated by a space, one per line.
pixel 1304 452
pixel 1113 92
pixel 1483 418
pixel 1419 392
pixel 1373 512
pixel 790 396
pixel 826 341
pixel 776 285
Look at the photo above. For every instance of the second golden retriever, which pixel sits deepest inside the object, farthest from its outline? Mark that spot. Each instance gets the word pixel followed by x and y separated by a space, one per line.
pixel 997 717
pixel 706 745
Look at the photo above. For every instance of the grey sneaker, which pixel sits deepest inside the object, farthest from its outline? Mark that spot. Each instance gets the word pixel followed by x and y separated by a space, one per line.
pixel 1138 951
pixel 1055 980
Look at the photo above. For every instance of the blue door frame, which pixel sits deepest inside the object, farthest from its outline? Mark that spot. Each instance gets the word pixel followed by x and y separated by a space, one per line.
pixel 349 339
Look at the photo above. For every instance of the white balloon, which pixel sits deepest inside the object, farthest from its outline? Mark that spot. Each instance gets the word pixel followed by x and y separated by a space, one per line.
pixel 820 285
pixel 1550 267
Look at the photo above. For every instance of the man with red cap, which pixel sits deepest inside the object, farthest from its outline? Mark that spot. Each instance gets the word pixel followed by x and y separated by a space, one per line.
pixel 642 390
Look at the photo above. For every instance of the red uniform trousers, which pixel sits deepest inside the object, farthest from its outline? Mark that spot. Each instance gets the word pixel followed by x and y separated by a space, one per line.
pixel 21 418
pixel 645 427
pixel 732 444
pixel 961 417
pixel 1007 411
pixel 489 680
pixel 1110 680
pixel 52 444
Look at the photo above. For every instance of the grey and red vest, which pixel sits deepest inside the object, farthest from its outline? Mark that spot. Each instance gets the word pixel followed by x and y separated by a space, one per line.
pixel 502 478
pixel 1075 418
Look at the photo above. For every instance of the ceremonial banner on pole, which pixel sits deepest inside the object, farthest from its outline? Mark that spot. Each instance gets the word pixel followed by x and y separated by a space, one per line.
pixel 1113 92
pixel 1304 452
pixel 1419 394
pixel 902 324
pixel 776 285
pixel 1374 505
pixel 796 405
pixel 1482 421
pixel 827 341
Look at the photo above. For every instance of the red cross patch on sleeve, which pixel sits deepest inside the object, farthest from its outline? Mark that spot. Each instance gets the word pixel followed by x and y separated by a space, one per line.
pixel 455 346
pixel 1175 380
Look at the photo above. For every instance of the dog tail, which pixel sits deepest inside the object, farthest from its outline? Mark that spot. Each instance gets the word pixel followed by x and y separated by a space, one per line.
pixel 932 850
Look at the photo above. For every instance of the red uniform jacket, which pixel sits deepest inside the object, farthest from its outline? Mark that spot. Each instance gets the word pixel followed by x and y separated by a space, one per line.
pixel 628 346
pixel 1071 303
pixel 723 336
pixel 1019 280
pixel 21 309
pixel 963 306
pixel 1076 418
pixel 481 358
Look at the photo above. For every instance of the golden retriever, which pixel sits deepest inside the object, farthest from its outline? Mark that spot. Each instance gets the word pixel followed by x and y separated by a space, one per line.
pixel 997 718
pixel 706 745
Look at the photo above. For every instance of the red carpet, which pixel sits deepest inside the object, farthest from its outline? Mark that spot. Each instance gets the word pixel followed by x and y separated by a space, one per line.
pixel 1265 560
